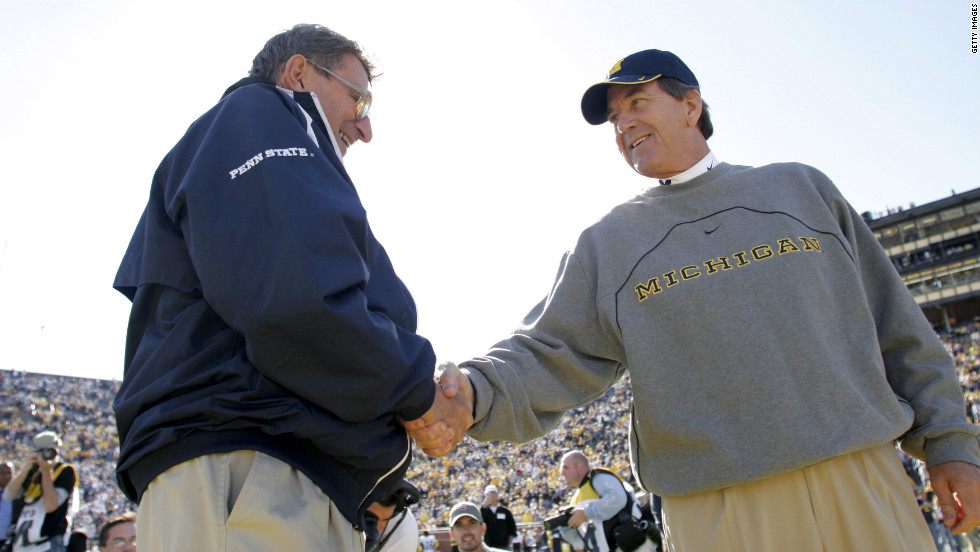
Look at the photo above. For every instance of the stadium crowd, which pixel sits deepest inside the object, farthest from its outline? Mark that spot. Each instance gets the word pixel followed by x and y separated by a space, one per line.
pixel 80 410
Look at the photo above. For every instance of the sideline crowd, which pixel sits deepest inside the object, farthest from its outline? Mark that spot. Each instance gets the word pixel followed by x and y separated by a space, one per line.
pixel 80 410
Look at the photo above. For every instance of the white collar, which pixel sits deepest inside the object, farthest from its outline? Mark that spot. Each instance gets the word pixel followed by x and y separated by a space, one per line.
pixel 333 139
pixel 706 163
pixel 323 117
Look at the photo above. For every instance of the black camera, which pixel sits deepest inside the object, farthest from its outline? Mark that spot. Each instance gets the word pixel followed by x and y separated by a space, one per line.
pixel 404 496
pixel 560 520
pixel 48 454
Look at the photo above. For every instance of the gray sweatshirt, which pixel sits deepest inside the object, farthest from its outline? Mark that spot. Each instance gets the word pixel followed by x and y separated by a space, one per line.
pixel 763 327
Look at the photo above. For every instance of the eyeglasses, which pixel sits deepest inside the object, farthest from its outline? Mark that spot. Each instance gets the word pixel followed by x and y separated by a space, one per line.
pixel 119 543
pixel 363 105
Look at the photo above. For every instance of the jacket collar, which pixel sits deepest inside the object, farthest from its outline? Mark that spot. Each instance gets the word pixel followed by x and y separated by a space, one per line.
pixel 307 100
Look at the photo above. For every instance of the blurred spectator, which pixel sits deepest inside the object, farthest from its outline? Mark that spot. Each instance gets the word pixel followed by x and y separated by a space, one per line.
pixel 47 488
pixel 390 526
pixel 6 506
pixel 501 530
pixel 467 527
pixel 119 534
pixel 428 542
pixel 77 542
pixel 79 409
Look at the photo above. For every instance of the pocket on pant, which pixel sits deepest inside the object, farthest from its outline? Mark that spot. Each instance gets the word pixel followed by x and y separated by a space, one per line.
pixel 252 489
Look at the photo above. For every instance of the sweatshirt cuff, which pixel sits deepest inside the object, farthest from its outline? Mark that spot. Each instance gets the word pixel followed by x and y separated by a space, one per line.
pixel 482 394
pixel 954 447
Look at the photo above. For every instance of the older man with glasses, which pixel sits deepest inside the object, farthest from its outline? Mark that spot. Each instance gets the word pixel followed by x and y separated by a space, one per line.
pixel 271 345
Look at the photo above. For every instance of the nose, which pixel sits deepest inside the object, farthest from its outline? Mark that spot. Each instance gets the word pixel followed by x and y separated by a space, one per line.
pixel 364 128
pixel 623 123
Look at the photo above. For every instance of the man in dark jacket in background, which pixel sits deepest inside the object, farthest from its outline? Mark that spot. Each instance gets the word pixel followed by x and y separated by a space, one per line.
pixel 501 527
pixel 271 345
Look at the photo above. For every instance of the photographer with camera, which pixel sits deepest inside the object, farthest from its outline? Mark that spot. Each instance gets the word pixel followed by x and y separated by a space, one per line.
pixel 605 500
pixel 46 486
pixel 389 526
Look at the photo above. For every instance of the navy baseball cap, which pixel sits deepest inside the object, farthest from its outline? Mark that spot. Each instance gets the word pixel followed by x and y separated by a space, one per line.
pixel 464 509
pixel 638 68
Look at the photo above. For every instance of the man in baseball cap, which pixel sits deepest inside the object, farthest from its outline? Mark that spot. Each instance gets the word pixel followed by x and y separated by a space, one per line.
pixel 466 526
pixel 819 359
pixel 676 154
pixel 498 521
pixel 639 68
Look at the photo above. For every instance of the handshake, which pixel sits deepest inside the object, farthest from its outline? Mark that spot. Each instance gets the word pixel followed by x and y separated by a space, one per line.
pixel 440 429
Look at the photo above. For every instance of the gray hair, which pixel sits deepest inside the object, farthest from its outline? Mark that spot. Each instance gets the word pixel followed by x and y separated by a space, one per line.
pixel 678 90
pixel 316 42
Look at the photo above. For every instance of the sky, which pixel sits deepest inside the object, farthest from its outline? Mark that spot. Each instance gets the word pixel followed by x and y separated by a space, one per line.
pixel 482 171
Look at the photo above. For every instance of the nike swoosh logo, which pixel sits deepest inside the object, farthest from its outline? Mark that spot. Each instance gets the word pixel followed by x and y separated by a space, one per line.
pixel 712 230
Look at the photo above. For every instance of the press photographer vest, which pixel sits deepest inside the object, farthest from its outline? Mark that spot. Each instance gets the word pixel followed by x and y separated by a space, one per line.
pixel 34 525
pixel 586 491
pixel 32 490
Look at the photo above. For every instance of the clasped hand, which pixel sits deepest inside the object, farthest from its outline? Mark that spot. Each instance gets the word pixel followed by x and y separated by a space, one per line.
pixel 440 429
pixel 957 488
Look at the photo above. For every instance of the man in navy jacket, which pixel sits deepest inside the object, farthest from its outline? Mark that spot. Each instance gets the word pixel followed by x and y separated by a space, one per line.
pixel 271 346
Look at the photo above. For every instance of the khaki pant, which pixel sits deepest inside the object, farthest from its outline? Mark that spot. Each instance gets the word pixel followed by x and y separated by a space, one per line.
pixel 855 502
pixel 242 501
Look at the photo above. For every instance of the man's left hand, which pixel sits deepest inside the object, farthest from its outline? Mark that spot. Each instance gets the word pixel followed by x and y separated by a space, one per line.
pixel 957 488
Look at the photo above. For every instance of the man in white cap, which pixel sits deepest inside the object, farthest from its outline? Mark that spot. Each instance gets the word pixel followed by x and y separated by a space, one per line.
pixel 467 527
pixel 46 485
pixel 501 528
pixel 774 352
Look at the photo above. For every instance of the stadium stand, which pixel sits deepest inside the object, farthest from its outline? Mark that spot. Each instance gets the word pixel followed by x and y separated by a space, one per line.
pixel 80 410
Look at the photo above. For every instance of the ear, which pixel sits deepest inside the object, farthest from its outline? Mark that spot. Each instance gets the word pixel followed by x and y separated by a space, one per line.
pixel 693 105
pixel 294 72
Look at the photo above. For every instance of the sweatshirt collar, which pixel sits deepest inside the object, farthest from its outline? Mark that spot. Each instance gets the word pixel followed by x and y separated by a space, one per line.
pixel 706 163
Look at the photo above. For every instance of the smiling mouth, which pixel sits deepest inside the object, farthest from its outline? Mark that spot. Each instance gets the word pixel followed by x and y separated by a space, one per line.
pixel 345 138
pixel 638 141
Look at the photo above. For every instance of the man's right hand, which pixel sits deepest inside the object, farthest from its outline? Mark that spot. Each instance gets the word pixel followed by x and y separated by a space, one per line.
pixel 440 429
pixel 578 517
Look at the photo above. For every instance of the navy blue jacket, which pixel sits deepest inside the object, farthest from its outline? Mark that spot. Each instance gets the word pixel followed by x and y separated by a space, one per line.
pixel 266 316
